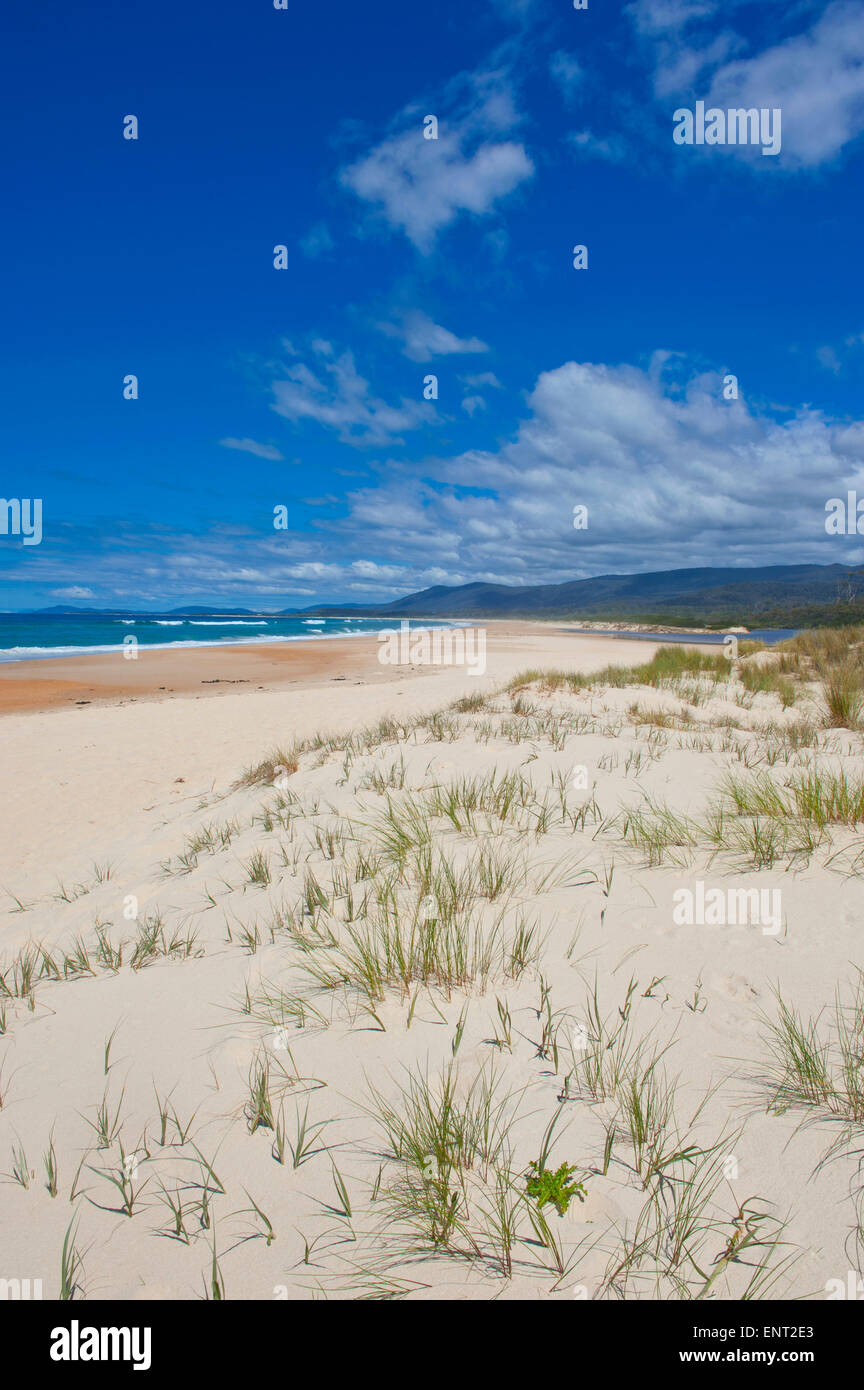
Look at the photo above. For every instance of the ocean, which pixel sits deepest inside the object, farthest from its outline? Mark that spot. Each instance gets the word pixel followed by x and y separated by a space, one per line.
pixel 31 636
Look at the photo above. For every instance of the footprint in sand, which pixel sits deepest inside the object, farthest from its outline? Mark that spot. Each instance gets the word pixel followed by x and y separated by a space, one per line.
pixel 742 993
pixel 736 987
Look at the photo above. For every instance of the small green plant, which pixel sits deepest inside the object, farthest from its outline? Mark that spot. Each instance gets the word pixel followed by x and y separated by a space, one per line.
pixel 557 1188
pixel 71 1266
pixel 216 1291
pixel 49 1158
pixel 258 870
pixel 21 1173
pixel 259 1107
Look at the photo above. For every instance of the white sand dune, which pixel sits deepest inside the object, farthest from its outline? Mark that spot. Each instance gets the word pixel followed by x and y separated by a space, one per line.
pixel 258 903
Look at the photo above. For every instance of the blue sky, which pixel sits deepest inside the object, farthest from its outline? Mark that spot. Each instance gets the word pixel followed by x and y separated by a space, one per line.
pixel 304 387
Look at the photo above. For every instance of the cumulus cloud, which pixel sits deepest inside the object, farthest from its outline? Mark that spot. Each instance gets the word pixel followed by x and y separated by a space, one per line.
pixel 816 78
pixel 251 446
pixel 73 591
pixel 672 475
pixel 420 186
pixel 338 397
pixel 424 339
pixel 815 75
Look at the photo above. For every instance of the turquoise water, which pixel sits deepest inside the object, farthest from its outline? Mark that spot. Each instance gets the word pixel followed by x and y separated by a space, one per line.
pixel 28 636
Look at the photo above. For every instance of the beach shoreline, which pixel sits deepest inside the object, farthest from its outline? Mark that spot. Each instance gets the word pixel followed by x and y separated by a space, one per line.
pixel 79 773
pixel 174 863
pixel 161 673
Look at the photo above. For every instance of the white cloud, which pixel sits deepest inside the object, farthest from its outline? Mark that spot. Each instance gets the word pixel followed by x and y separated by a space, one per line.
pixel 471 404
pixel 482 379
pixel 660 16
pixel 422 186
pixel 609 147
pixel 424 339
pixel 672 474
pixel 341 400
pixel 567 73
pixel 74 591
pixel 815 76
pixel 680 67
pixel 251 446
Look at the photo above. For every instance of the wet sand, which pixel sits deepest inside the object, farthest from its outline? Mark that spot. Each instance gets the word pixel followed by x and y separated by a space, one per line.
pixel 109 678
pixel 159 673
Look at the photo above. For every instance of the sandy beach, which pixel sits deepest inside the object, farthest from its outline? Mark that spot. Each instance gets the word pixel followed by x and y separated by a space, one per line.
pixel 135 747
pixel 432 676
pixel 67 682
pixel 257 943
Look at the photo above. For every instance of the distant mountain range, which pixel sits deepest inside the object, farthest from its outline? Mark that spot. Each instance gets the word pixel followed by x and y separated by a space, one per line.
pixel 778 595
pixel 694 596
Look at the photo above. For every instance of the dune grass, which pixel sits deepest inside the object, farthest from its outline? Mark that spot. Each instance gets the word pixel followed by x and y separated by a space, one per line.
pixel 834 657
pixel 430 890
pixel 666 666
pixel 814 1064
pixel 819 797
